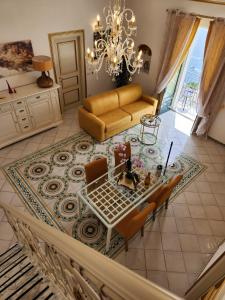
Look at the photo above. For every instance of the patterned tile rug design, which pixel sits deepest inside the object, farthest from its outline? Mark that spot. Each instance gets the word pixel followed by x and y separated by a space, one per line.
pixel 47 181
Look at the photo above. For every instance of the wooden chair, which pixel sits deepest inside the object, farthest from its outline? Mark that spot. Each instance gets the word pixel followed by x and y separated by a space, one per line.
pixel 163 193
pixel 127 154
pixel 96 169
pixel 134 222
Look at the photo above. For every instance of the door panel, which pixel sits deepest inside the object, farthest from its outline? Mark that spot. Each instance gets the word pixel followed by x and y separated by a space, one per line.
pixel 69 65
pixel 71 96
pixel 9 127
pixel 70 82
pixel 67 57
pixel 41 112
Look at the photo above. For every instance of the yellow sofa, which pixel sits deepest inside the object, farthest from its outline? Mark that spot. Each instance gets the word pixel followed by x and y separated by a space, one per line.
pixel 109 113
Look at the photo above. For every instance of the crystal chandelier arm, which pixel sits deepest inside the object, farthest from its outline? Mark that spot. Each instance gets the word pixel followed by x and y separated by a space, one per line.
pixel 131 67
pixel 98 63
pixel 100 45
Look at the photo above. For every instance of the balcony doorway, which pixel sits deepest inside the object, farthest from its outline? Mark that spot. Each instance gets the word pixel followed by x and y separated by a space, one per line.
pixel 182 92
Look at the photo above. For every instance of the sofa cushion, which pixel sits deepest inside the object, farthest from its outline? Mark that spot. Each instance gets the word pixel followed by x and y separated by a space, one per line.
pixel 102 103
pixel 138 109
pixel 129 93
pixel 115 119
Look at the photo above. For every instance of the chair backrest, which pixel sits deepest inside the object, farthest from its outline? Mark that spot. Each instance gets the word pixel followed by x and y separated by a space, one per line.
pixel 164 192
pixel 96 169
pixel 127 153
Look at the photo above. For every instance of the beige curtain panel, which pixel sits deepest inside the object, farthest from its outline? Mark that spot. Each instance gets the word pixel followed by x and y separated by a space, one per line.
pixel 212 86
pixel 181 31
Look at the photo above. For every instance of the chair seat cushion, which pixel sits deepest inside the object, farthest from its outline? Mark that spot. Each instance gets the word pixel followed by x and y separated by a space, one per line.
pixel 115 119
pixel 138 109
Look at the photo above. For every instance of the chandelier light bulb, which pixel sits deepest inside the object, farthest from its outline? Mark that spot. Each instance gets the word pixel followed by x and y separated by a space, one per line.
pixel 139 54
pixel 98 20
pixel 133 19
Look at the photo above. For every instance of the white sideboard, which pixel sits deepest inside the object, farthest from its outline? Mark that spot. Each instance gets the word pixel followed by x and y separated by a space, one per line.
pixel 28 111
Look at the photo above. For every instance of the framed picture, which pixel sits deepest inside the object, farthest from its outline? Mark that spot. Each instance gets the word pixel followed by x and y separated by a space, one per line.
pixel 15 58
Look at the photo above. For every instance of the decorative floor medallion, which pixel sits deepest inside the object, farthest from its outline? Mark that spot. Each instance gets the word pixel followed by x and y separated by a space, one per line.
pixel 48 180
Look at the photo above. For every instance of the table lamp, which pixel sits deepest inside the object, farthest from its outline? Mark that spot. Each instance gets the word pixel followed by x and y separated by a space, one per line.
pixel 43 63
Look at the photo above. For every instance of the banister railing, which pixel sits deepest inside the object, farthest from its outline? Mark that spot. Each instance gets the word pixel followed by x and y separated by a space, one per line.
pixel 74 269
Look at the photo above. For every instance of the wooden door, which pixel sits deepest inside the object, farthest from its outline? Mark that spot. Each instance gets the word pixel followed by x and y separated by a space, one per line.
pixel 68 55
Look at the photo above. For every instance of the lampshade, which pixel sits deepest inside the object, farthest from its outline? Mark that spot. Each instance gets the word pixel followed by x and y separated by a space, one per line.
pixel 42 63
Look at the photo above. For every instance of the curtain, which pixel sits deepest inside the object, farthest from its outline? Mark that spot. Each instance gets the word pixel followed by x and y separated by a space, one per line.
pixel 181 31
pixel 212 86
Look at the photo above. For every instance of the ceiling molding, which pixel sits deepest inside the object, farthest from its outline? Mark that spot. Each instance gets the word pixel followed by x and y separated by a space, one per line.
pixel 219 2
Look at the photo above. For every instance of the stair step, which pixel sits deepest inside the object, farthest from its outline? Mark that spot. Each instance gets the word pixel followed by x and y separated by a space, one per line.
pixel 11 270
pixel 11 276
pixel 11 263
pixel 8 252
pixel 20 280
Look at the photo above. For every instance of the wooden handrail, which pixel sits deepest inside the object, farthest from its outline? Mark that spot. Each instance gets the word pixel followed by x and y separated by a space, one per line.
pixel 113 276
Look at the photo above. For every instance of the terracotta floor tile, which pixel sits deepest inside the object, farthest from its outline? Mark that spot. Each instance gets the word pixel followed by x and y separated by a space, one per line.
pixel 192 198
pixel 167 224
pixel 185 225
pixel 170 241
pixel 194 262
pixel 202 227
pixel 181 211
pixel 213 212
pixel 189 243
pixel 158 277
pixel 208 244
pixel 178 282
pixel 133 259
pixel 152 240
pixel 218 227
pixel 197 212
pixel 208 199
pixel 174 261
pixel 155 260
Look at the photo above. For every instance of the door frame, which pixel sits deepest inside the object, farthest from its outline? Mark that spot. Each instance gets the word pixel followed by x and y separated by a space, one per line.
pixel 83 64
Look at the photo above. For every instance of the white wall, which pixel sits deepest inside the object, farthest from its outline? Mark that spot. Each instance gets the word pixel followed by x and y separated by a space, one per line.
pixel 151 21
pixel 34 19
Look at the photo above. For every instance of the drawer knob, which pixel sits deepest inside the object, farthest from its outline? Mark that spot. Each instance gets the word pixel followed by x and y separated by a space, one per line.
pixel 38 97
pixel 19 102
pixel 25 126
pixel 24 119
pixel 22 110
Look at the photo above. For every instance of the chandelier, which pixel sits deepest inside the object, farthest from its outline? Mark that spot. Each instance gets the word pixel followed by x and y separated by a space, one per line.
pixel 114 45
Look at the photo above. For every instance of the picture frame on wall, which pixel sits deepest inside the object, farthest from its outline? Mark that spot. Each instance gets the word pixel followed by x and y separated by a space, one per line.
pixel 15 58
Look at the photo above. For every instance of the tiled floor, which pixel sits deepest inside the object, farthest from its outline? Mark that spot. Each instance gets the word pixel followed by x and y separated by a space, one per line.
pixel 177 246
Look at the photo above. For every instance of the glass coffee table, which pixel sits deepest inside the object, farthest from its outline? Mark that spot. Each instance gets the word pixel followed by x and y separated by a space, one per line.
pixel 152 123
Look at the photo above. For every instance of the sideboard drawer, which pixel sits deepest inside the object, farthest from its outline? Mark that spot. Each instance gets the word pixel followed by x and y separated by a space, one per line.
pixel 38 97
pixel 25 126
pixel 22 112
pixel 19 104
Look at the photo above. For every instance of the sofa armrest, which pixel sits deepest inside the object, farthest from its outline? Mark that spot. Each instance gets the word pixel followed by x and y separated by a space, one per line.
pixel 92 124
pixel 151 100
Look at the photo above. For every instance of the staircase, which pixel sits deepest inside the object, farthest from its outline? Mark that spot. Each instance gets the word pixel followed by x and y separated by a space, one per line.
pixel 20 279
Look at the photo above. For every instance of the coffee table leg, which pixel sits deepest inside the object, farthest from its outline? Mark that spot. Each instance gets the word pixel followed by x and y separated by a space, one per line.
pixel 108 238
